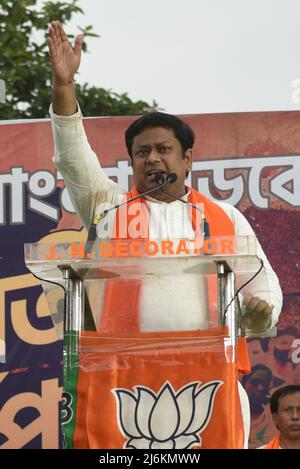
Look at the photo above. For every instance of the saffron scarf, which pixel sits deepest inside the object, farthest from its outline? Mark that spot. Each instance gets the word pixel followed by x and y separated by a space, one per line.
pixel 116 298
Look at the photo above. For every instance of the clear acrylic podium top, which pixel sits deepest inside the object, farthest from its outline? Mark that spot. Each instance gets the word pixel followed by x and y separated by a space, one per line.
pixel 169 285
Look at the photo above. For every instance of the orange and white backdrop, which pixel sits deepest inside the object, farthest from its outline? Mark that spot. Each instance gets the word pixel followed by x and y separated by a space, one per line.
pixel 251 160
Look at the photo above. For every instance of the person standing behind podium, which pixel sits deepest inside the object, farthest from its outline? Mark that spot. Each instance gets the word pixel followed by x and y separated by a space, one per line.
pixel 157 143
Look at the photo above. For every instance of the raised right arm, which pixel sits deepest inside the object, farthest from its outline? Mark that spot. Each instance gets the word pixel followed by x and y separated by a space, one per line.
pixel 87 184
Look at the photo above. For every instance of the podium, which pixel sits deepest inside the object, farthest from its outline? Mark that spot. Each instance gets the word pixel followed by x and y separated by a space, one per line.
pixel 146 313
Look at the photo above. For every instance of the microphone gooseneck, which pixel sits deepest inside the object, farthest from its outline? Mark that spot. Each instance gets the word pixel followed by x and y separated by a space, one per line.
pixel 161 181
pixel 172 177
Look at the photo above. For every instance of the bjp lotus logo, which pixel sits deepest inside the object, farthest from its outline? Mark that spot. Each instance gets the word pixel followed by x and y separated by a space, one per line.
pixel 165 419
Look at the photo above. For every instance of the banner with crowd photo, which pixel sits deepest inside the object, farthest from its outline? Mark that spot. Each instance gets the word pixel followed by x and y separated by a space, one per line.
pixel 250 160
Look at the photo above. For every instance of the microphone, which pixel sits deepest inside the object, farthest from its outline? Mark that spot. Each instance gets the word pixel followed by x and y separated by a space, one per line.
pixel 160 178
pixel 172 177
pixel 161 182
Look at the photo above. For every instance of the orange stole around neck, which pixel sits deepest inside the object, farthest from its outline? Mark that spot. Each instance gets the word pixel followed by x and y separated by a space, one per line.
pixel 274 443
pixel 116 294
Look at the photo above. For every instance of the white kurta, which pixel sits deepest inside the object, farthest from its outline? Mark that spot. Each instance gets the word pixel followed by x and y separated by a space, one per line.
pixel 182 300
pixel 91 191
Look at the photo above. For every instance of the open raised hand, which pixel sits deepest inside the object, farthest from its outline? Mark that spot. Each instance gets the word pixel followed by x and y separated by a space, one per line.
pixel 65 59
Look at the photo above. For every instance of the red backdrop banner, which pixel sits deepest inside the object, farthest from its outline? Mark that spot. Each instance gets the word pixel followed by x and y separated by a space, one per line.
pixel 251 160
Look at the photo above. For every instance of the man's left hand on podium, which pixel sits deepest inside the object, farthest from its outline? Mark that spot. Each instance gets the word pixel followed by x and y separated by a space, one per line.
pixel 257 313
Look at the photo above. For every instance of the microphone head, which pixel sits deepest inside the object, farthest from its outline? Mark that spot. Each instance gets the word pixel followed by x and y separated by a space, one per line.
pixel 172 177
pixel 159 178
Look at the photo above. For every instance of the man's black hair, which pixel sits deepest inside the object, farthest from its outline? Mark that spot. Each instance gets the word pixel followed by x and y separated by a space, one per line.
pixel 182 131
pixel 281 392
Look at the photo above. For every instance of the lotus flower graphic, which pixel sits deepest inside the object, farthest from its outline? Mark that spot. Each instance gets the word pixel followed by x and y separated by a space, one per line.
pixel 165 419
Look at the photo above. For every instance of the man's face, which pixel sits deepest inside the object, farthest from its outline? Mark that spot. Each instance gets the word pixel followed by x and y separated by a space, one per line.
pixel 256 353
pixel 156 149
pixel 257 388
pixel 287 418
pixel 259 383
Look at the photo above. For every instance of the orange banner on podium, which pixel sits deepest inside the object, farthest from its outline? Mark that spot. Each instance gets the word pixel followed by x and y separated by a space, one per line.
pixel 157 391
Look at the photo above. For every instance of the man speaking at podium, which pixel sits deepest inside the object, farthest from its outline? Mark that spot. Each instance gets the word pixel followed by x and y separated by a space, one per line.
pixel 160 147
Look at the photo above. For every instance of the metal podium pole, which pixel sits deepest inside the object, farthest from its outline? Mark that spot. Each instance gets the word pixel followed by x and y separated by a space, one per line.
pixel 227 314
